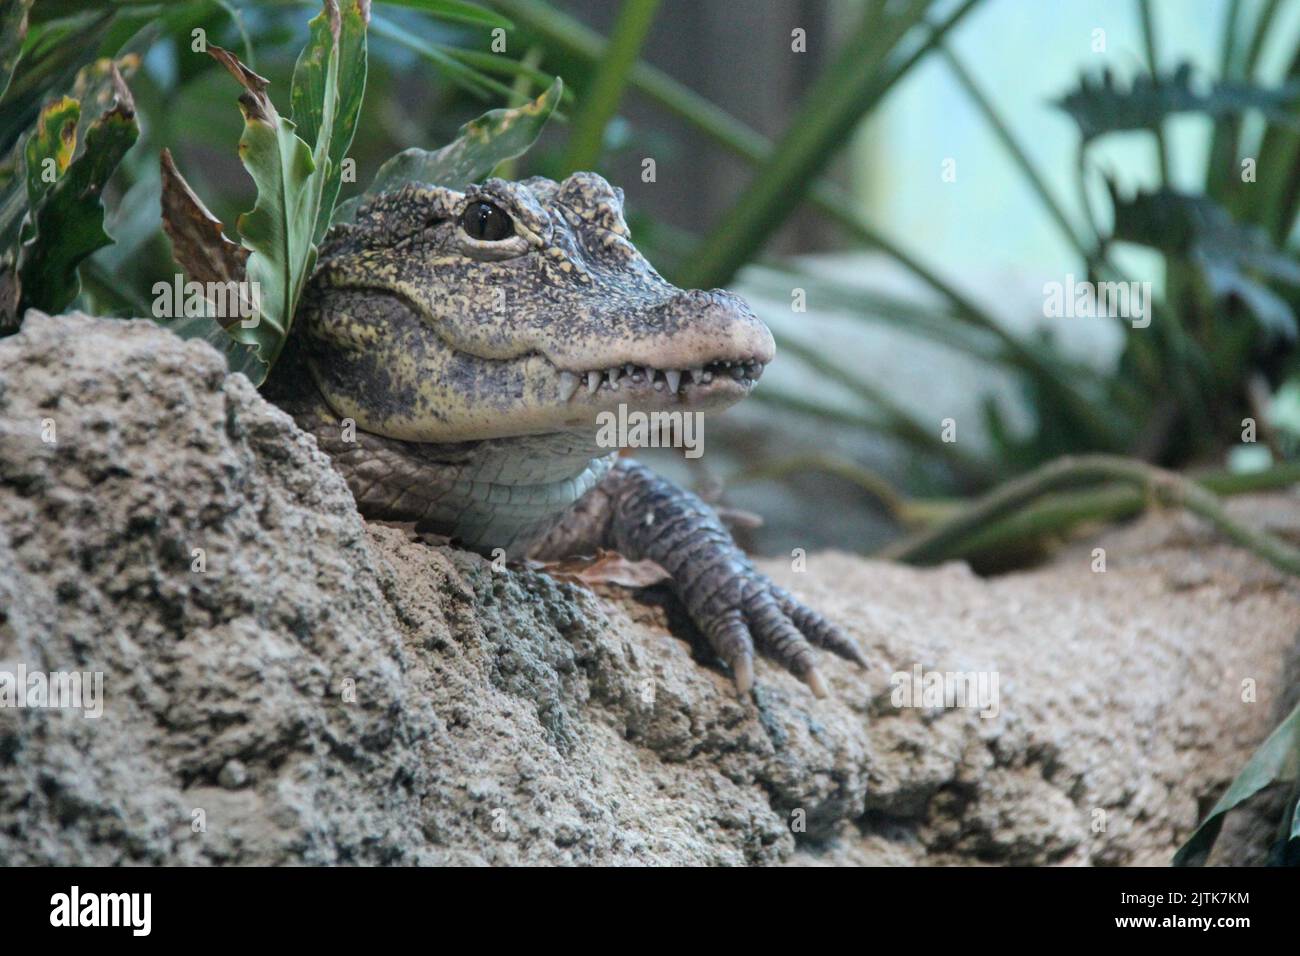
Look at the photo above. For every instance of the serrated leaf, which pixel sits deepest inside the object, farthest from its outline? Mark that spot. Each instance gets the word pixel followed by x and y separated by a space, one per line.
pixel 1231 257
pixel 45 153
pixel 1103 105
pixel 49 149
pixel 67 224
pixel 345 32
pixel 1276 761
pixel 13 31
pixel 1270 310
pixel 198 238
pixel 481 144
pixel 278 229
pixel 95 88
pixel 293 180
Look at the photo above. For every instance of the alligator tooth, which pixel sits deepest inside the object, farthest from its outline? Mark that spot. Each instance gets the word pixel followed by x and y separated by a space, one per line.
pixel 706 377
pixel 593 382
pixel 697 373
pixel 650 373
pixel 758 371
pixel 737 372
pixel 568 385
pixel 613 375
pixel 659 385
pixel 674 378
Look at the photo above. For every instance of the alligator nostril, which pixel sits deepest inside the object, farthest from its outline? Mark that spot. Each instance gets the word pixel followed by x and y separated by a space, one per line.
pixel 712 300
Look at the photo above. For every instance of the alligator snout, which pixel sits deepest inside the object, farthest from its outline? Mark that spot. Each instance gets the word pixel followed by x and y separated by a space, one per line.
pixel 720 322
pixel 687 329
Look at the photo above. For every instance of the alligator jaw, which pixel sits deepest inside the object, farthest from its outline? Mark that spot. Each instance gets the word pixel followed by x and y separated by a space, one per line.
pixel 629 382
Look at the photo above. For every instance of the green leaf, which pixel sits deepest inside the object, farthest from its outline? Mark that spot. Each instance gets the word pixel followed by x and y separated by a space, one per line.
pixel 67 224
pixel 312 97
pixel 1102 105
pixel 481 144
pixel 50 147
pixel 456 11
pixel 297 182
pixel 1276 761
pixel 13 31
pixel 278 229
pixel 605 89
pixel 1232 259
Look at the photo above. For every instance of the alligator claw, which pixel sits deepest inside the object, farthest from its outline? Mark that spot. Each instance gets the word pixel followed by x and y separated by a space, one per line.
pixel 738 608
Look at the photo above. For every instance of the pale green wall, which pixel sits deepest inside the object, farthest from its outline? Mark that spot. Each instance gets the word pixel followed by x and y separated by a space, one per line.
pixel 1025 53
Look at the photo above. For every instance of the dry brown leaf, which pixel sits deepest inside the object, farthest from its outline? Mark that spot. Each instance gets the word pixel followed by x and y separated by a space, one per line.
pixel 198 238
pixel 607 567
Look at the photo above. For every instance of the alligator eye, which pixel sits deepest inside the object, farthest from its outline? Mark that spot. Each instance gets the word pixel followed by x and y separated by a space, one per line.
pixel 484 221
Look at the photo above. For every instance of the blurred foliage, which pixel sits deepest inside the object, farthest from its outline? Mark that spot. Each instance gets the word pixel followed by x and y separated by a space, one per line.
pixel 1227 317
pixel 1102 105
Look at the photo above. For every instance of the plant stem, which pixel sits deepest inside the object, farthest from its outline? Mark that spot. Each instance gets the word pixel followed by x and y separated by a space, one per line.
pixel 1149 43
pixel 1154 484
pixel 606 91
pixel 1263 25
pixel 1057 514
pixel 1228 54
pixel 468 79
pixel 1002 131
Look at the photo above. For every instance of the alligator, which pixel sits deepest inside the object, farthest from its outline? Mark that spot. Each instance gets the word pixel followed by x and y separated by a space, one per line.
pixel 453 352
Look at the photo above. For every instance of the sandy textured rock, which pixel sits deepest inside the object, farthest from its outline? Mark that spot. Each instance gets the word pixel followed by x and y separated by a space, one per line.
pixel 331 692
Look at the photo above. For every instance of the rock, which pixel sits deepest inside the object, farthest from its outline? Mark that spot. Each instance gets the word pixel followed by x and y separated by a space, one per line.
pixel 283 683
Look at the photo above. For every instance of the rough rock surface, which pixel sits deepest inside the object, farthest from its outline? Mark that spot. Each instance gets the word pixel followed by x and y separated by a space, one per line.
pixel 324 691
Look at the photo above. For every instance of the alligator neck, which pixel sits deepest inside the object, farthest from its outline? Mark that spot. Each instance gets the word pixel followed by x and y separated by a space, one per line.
pixel 495 493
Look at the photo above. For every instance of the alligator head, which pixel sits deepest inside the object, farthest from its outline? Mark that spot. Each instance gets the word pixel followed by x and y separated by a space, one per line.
pixel 512 308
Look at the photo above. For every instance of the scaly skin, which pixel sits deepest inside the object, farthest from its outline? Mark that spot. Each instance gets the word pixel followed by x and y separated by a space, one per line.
pixel 453 352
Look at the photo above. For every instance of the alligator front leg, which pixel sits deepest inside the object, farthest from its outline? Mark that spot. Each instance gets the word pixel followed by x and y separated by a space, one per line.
pixel 737 608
